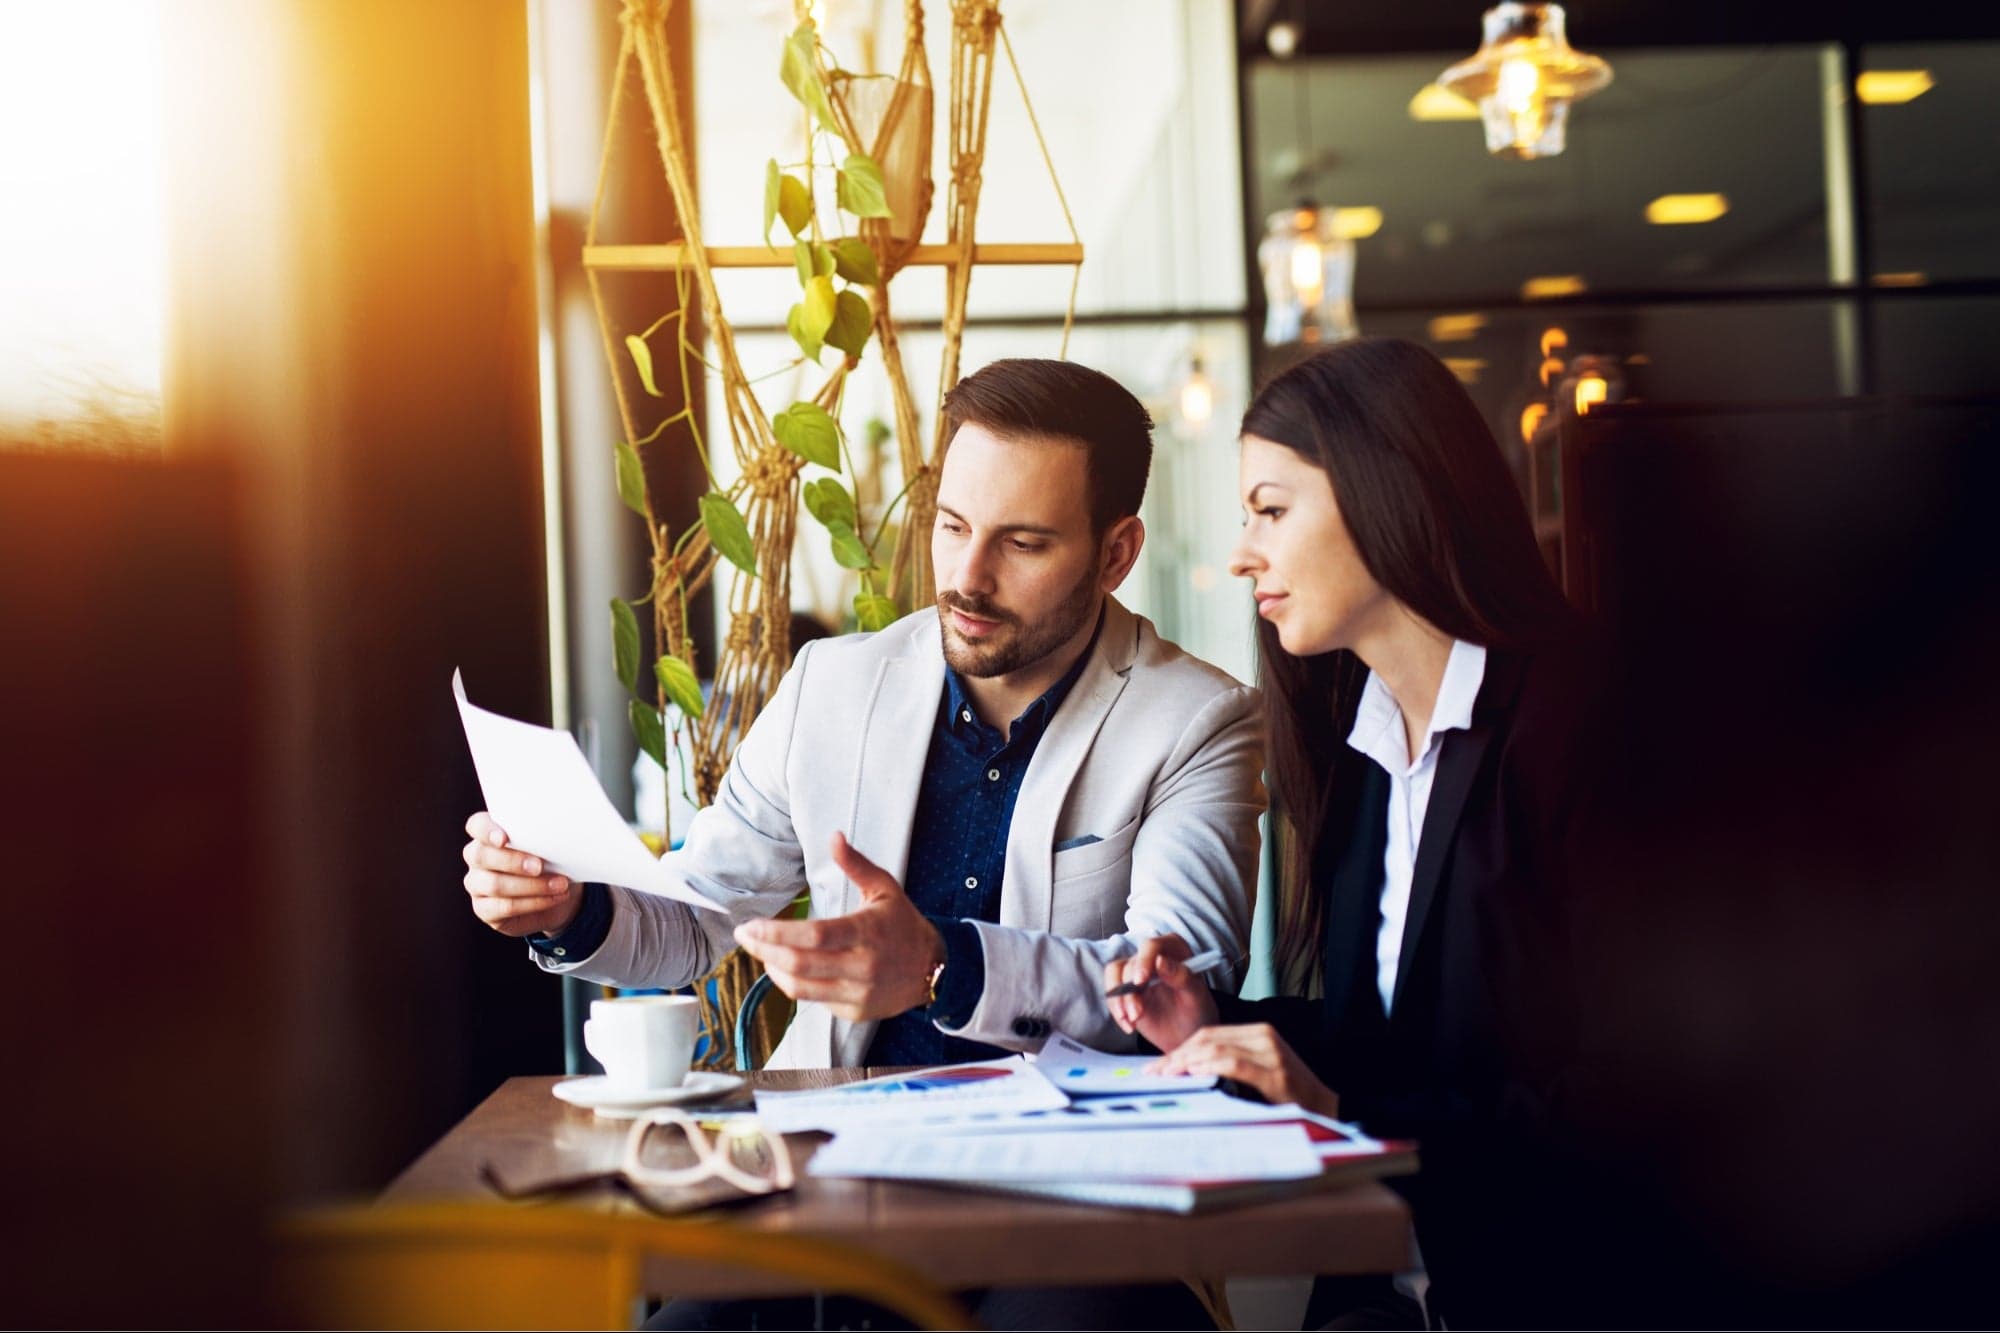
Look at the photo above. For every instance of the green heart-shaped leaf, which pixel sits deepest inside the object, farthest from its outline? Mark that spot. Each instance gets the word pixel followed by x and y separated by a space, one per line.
pixel 829 501
pixel 872 612
pixel 795 324
pixel 795 204
pixel 848 549
pixel 642 357
pixel 858 187
pixel 820 306
pixel 771 187
pixel 678 680
pixel 727 531
pixel 854 261
pixel 811 261
pixel 800 71
pixel 625 642
pixel 808 431
pixel 852 322
pixel 650 730
pixel 631 478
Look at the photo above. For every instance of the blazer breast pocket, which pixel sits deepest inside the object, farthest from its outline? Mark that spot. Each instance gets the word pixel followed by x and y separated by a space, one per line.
pixel 1076 857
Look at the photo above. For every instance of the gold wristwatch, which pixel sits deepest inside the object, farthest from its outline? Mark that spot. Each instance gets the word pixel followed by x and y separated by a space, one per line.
pixel 932 980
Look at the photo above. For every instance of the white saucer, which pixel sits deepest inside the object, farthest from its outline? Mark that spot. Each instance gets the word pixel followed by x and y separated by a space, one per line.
pixel 616 1103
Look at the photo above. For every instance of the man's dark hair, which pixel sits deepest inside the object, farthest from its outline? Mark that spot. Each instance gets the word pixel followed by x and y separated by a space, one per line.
pixel 1026 397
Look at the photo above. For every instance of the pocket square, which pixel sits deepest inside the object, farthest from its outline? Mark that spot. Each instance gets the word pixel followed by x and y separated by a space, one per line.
pixel 1083 840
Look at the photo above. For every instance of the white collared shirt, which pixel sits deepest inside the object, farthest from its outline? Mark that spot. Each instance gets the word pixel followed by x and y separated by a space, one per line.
pixel 1378 733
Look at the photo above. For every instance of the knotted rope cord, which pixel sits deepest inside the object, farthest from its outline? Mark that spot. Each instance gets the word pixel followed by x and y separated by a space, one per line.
pixel 910 557
pixel 1035 124
pixel 973 25
pixel 756 645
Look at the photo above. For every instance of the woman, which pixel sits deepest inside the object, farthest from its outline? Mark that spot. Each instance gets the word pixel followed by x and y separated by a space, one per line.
pixel 1417 666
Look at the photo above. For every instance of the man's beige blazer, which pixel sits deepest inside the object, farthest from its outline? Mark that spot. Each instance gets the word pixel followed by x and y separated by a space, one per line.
pixel 1148 779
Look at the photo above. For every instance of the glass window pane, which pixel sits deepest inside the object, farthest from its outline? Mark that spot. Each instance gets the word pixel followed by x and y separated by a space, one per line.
pixel 1933 177
pixel 1937 344
pixel 1460 225
pixel 1137 102
pixel 1694 353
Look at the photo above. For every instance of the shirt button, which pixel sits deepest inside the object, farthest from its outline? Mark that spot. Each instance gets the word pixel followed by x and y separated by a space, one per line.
pixel 992 775
pixel 561 952
pixel 972 881
pixel 965 715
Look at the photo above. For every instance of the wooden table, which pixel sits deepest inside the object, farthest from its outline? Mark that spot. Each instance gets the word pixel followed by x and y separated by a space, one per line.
pixel 956 1238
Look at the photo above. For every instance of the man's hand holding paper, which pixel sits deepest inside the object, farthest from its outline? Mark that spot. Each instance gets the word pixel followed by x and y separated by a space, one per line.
pixel 512 891
pixel 547 825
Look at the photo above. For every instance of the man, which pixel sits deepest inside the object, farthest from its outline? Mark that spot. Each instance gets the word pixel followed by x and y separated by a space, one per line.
pixel 988 801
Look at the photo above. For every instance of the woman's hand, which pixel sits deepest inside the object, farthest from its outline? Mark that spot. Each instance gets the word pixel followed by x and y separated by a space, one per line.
pixel 1176 1003
pixel 1255 1054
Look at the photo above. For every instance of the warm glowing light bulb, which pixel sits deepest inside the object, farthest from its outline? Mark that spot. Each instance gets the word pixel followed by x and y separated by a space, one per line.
pixel 1308 269
pixel 1197 397
pixel 1552 338
pixel 1531 419
pixel 1520 85
pixel 1591 389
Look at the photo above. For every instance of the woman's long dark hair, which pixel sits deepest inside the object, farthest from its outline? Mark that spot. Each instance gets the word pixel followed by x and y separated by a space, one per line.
pixel 1439 523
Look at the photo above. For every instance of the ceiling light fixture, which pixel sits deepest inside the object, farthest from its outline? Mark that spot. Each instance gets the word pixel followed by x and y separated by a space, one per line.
pixel 1890 87
pixel 1456 328
pixel 1551 285
pixel 1357 224
pixel 1197 394
pixel 1308 267
pixel 1673 210
pixel 1524 77
pixel 1434 103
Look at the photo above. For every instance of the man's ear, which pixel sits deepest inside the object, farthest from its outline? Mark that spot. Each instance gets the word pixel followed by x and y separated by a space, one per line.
pixel 1119 548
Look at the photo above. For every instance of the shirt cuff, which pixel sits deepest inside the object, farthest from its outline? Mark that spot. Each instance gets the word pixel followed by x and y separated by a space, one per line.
pixel 586 932
pixel 964 979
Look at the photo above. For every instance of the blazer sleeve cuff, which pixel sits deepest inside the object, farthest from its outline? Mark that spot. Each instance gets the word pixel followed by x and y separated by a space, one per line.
pixel 584 935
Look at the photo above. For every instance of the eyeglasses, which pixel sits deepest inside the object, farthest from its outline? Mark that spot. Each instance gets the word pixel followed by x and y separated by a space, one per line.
pixel 743 1153
pixel 743 1160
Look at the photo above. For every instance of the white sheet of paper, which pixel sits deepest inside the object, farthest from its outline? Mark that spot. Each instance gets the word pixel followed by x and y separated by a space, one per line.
pixel 1142 1111
pixel 1081 1071
pixel 1251 1152
pixel 540 789
pixel 1003 1087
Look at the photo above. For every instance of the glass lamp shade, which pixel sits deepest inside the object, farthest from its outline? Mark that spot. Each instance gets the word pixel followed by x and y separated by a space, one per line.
pixel 1308 268
pixel 1590 381
pixel 1524 77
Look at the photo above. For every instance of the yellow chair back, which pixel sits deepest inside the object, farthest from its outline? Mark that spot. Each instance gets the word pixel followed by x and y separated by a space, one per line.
pixel 486 1265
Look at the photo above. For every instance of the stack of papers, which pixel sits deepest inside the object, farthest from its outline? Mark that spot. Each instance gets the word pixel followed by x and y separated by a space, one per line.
pixel 1079 1124
pixel 992 1089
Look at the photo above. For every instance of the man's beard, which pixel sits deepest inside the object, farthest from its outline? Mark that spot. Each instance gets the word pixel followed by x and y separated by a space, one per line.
pixel 1014 646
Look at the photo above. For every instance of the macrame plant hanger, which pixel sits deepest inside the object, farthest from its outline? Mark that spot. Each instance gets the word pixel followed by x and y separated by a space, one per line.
pixel 756 647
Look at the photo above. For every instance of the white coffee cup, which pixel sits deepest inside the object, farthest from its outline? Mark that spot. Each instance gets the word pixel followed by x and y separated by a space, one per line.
pixel 643 1041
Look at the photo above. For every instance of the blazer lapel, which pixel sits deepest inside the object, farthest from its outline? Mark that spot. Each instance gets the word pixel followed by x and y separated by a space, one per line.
pixel 1026 896
pixel 896 730
pixel 1354 907
pixel 897 721
pixel 1459 763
